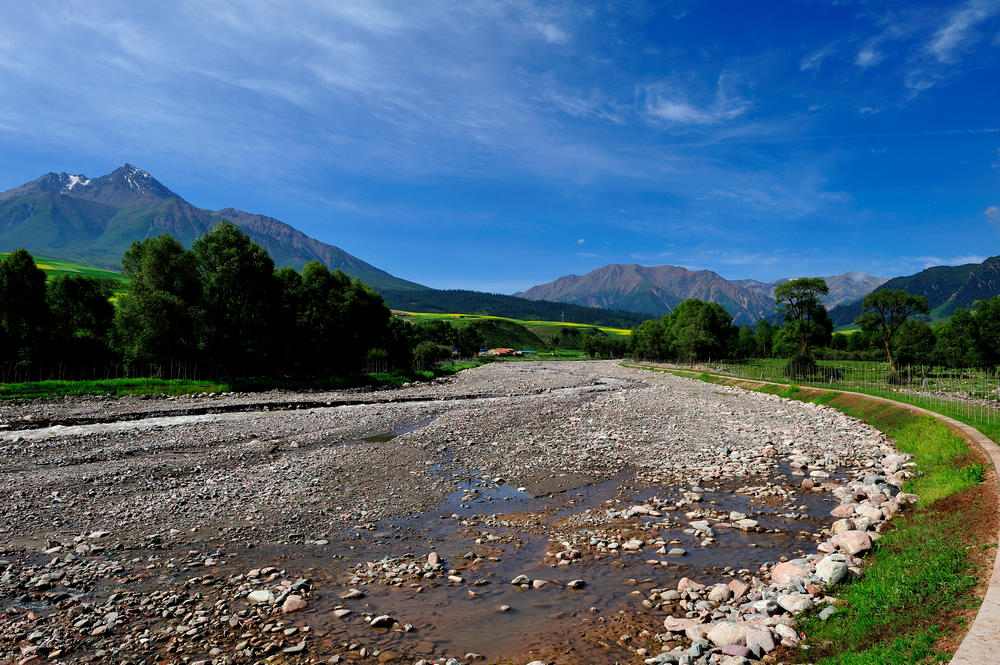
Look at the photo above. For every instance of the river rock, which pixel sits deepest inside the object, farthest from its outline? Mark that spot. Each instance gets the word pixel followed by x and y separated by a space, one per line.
pixel 720 593
pixel 831 570
pixel 676 625
pixel 843 510
pixel 759 641
pixel 724 633
pixel 794 603
pixel 788 573
pixel 294 603
pixel 260 597
pixel 853 542
pixel 738 588
pixel 382 621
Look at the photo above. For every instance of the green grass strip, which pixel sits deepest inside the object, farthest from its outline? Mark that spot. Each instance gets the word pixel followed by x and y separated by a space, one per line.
pixel 121 387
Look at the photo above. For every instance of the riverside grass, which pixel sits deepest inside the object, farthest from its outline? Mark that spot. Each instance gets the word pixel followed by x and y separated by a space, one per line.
pixel 920 571
pixel 121 387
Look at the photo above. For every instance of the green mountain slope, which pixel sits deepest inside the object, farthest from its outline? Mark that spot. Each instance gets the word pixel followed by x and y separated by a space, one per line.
pixel 93 221
pixel 945 287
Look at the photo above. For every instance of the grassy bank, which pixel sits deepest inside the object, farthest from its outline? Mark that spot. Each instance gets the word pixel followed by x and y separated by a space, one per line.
pixel 120 387
pixel 915 594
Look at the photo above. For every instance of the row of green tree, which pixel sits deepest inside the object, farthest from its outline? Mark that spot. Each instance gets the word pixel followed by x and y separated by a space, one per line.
pixel 219 308
pixel 892 328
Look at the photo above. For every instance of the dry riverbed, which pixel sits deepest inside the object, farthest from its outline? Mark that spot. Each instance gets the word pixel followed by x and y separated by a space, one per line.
pixel 517 512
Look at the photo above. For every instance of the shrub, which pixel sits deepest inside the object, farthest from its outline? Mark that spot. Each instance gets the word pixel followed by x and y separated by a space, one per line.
pixel 427 354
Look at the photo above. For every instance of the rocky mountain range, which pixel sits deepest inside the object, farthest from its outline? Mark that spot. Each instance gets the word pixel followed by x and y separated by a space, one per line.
pixel 94 220
pixel 658 289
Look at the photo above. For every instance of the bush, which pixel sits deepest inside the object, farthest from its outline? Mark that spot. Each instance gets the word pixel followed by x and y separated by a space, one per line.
pixel 801 366
pixel 427 354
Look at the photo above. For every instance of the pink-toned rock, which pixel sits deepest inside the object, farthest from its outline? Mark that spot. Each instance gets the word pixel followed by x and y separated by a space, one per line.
pixel 699 632
pixel 294 604
pixel 853 542
pixel 843 510
pixel 788 573
pixel 676 625
pixel 724 633
pixel 433 559
pixel 738 588
pixel 760 637
pixel 840 526
pixel 687 584
pixel 873 513
pixel 826 548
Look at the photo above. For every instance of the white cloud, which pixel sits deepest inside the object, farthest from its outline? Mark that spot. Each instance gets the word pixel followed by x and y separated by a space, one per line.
pixel 868 56
pixel 580 241
pixel 931 261
pixel 552 33
pixel 668 102
pixel 869 110
pixel 992 214
pixel 956 32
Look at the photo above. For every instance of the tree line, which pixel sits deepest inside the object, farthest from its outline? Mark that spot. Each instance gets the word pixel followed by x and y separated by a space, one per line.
pixel 217 309
pixel 892 328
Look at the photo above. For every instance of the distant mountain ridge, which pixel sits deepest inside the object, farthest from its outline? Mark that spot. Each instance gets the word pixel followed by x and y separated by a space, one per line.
pixel 94 220
pixel 658 289
pixel 946 288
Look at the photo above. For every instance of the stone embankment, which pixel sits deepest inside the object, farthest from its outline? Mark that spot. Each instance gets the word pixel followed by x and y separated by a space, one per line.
pixel 746 620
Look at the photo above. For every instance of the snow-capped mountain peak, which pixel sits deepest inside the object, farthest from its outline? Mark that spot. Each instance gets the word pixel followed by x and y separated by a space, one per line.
pixel 71 181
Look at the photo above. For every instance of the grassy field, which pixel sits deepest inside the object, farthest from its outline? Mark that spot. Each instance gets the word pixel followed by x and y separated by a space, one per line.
pixel 531 325
pixel 917 590
pixel 968 395
pixel 53 267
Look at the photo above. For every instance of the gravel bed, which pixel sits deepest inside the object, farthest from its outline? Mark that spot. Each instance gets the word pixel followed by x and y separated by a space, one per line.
pixel 107 528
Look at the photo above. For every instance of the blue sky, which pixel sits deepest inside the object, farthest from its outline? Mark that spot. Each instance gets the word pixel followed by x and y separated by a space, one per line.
pixel 497 145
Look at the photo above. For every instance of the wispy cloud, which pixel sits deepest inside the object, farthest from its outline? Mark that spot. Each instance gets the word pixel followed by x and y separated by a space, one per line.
pixel 669 102
pixel 814 60
pixel 992 214
pixel 868 56
pixel 958 30
pixel 931 261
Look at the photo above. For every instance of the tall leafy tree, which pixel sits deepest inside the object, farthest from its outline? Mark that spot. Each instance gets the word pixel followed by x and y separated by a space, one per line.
pixel 746 345
pixel 764 338
pixel 155 322
pixel 986 335
pixel 886 311
pixel 800 301
pixel 914 343
pixel 649 340
pixel 24 314
pixel 239 295
pixel 700 330
pixel 82 316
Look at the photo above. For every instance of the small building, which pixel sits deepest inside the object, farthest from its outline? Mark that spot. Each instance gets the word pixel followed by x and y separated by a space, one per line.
pixel 500 352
